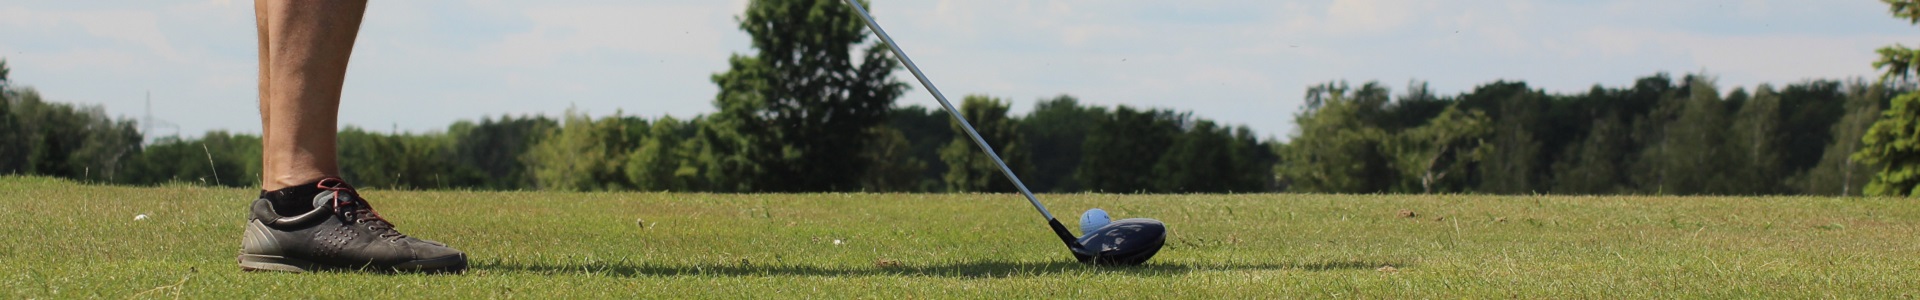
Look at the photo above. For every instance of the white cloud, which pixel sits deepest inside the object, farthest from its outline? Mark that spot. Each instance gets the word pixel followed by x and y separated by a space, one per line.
pixel 559 31
pixel 1751 59
pixel 1369 16
pixel 135 27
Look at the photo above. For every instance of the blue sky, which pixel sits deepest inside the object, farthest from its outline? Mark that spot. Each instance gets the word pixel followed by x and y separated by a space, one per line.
pixel 421 65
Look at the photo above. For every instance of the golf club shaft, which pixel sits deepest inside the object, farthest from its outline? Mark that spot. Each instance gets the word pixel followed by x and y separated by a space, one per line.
pixel 950 110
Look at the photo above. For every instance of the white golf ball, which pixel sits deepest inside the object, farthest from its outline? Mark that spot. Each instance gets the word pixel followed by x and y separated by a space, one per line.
pixel 140 217
pixel 837 242
pixel 1093 219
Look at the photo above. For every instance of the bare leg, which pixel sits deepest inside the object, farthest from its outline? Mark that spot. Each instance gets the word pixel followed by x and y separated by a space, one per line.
pixel 260 26
pixel 306 45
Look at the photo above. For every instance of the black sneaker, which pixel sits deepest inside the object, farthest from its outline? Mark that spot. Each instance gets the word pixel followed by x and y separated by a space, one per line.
pixel 336 230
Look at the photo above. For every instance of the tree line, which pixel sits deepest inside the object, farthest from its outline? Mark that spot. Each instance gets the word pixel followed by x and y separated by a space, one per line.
pixel 1661 135
pixel 805 112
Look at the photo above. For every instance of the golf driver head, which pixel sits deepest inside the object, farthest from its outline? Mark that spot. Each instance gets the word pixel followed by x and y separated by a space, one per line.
pixel 1124 243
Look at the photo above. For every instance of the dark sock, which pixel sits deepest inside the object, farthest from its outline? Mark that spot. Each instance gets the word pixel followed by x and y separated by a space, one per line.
pixel 293 200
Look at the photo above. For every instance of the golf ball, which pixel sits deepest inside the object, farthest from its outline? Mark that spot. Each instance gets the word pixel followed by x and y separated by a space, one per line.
pixel 1093 219
pixel 140 217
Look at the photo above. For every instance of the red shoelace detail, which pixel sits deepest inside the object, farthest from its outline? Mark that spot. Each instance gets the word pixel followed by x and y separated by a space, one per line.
pixel 362 211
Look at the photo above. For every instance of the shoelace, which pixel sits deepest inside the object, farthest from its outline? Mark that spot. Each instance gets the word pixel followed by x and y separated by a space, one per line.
pixel 362 212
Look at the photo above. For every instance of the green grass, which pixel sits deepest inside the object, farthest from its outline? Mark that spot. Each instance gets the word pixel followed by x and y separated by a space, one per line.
pixel 69 240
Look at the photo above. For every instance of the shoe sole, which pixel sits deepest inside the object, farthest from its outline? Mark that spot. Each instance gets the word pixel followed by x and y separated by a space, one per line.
pixel 271 263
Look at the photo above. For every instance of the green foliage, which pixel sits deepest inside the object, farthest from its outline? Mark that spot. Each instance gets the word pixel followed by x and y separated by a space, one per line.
pixel 892 166
pixel 1056 129
pixel 216 158
pixel 13 142
pixel 1651 163
pixel 661 161
pixel 496 149
pixel 1810 107
pixel 1209 158
pixel 1594 166
pixel 1894 143
pixel 585 154
pixel 1691 156
pixel 1898 60
pixel 1904 9
pixel 1838 173
pixel 1432 155
pixel 1338 147
pixel 1655 136
pixel 791 114
pixel 970 170
pixel 401 161
pixel 1754 145
pixel 927 131
pixel 63 140
pixel 1514 166
pixel 1130 144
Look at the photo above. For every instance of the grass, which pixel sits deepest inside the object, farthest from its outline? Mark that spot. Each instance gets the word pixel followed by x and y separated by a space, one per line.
pixel 70 240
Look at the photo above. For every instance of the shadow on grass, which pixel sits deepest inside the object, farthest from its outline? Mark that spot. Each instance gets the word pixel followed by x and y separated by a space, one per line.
pixel 988 269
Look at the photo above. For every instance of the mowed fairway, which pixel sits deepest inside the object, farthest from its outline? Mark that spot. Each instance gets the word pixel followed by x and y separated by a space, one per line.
pixel 69 240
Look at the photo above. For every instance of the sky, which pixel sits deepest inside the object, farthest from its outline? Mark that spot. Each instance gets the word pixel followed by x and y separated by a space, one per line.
pixel 419 66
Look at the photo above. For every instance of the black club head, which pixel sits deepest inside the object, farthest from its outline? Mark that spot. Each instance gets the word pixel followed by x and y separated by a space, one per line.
pixel 1123 243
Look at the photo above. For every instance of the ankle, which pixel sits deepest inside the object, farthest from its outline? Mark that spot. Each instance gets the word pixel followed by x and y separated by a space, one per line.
pixel 293 179
pixel 294 198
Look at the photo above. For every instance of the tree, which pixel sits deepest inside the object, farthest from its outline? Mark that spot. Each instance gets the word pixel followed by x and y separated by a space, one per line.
pixel 1808 108
pixel 216 158
pixel 1697 158
pixel 1056 130
pixel 791 114
pixel 63 140
pixel 1594 165
pixel 3 75
pixel 1688 150
pixel 892 167
pixel 107 144
pixel 660 162
pixel 926 132
pixel 1199 160
pixel 1650 170
pixel 1515 152
pixel 969 170
pixel 401 160
pixel 586 154
pixel 1445 146
pixel 13 151
pixel 1209 158
pixel 1125 146
pixel 1338 146
pixel 1894 141
pixel 495 149
pixel 1756 142
pixel 1838 173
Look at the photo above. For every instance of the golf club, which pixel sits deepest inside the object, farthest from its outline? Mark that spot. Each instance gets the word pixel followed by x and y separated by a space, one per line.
pixel 1123 242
